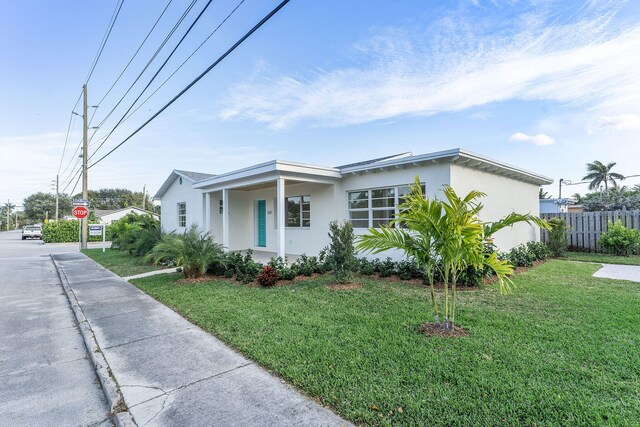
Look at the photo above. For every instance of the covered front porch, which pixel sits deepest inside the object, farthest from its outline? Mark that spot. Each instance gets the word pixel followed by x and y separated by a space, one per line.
pixel 278 208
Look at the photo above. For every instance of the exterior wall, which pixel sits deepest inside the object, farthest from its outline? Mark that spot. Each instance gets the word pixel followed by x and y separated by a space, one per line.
pixel 175 194
pixel 504 195
pixel 434 176
pixel 243 219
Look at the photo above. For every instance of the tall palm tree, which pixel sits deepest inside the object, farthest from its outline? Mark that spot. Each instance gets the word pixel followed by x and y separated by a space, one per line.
pixel 599 173
pixel 543 194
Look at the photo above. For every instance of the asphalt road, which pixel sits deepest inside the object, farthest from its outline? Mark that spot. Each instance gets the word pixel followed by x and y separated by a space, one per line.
pixel 46 377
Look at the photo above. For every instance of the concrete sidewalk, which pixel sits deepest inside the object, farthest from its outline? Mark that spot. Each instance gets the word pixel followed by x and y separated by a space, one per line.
pixel 170 371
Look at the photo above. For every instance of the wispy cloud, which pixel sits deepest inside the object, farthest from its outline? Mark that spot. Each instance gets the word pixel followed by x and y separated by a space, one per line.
pixel 539 139
pixel 617 122
pixel 585 61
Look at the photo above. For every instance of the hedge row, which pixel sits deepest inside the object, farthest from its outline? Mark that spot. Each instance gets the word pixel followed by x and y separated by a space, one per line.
pixel 65 232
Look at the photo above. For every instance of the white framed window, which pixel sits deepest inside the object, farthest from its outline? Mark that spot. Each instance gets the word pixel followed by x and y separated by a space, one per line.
pixel 221 207
pixel 377 206
pixel 182 214
pixel 298 211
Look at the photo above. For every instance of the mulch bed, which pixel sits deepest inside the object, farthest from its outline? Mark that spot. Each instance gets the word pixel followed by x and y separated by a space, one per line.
pixel 433 330
pixel 343 286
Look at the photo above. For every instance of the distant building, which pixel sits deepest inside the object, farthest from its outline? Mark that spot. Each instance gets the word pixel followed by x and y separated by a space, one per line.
pixel 551 206
pixel 109 216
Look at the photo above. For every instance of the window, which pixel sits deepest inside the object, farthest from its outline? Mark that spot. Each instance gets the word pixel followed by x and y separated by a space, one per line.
pixel 221 208
pixel 298 211
pixel 182 214
pixel 373 208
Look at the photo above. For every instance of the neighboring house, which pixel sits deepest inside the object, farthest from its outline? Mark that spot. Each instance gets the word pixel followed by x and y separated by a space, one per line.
pixel 552 206
pixel 109 216
pixel 285 207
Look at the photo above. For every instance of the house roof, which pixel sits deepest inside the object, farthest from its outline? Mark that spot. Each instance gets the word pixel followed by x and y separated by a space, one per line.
pixel 455 156
pixel 188 175
pixel 194 176
pixel 258 172
pixel 99 213
pixel 379 159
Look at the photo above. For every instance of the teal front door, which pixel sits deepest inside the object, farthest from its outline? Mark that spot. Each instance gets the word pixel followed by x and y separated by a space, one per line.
pixel 262 223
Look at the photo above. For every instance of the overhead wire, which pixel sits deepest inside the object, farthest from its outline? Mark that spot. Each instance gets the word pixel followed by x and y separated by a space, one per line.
pixel 184 36
pixel 197 79
pixel 114 18
pixel 126 67
pixel 149 62
pixel 185 61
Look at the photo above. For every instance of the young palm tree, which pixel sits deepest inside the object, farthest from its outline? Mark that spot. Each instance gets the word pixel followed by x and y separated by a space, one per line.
pixel 599 173
pixel 445 237
pixel 192 250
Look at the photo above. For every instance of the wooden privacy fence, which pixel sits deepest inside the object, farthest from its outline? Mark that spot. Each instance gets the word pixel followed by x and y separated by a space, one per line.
pixel 585 228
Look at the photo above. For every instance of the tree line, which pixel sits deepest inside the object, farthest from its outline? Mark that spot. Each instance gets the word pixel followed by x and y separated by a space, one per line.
pixel 40 206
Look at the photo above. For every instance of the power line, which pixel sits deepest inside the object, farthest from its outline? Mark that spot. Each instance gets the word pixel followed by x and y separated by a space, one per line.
pixel 136 52
pixel 197 79
pixel 184 62
pixel 112 22
pixel 206 6
pixel 153 57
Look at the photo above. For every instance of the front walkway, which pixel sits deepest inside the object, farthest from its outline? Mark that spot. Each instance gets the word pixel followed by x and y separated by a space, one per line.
pixel 619 272
pixel 169 370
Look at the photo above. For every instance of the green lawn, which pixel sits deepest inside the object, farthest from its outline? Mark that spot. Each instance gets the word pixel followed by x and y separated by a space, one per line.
pixel 561 350
pixel 119 262
pixel 603 258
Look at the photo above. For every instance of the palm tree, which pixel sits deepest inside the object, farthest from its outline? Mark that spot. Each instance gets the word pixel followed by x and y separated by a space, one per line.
pixel 193 250
pixel 445 237
pixel 599 173
pixel 543 194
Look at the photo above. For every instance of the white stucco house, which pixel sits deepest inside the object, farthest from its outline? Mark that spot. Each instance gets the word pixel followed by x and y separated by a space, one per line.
pixel 109 216
pixel 285 207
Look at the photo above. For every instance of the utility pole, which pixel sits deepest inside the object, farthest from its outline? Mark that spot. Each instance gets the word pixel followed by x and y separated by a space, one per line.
pixel 85 144
pixel 57 197
pixel 144 196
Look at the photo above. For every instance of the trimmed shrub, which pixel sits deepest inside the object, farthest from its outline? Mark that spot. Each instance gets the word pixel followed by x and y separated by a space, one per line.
pixel 386 268
pixel 539 250
pixel 365 267
pixel 558 237
pixel 65 232
pixel 407 269
pixel 306 265
pixel 341 253
pixel 268 276
pixel 620 240
pixel 246 269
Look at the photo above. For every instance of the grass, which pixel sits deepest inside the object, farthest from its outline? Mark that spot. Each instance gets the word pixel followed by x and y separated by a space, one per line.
pixel 561 350
pixel 603 258
pixel 119 262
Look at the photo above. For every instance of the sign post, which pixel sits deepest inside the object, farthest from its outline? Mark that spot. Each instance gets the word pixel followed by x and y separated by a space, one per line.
pixel 80 212
pixel 96 230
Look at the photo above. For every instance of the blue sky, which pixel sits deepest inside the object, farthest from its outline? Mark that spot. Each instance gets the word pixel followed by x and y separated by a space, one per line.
pixel 544 85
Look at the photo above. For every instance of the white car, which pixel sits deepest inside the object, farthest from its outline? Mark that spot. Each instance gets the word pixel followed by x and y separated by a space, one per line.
pixel 32 232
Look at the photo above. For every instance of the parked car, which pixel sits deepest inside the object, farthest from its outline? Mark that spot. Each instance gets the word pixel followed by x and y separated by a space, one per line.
pixel 32 232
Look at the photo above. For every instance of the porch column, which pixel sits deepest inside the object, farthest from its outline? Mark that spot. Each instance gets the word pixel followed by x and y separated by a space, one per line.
pixel 225 219
pixel 281 215
pixel 207 213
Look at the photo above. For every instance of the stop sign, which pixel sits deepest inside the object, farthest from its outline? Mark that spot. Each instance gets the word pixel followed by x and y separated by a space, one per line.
pixel 80 212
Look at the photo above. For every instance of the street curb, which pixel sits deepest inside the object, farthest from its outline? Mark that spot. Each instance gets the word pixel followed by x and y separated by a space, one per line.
pixel 103 371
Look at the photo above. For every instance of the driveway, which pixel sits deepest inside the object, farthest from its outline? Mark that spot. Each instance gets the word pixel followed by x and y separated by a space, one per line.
pixel 46 377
